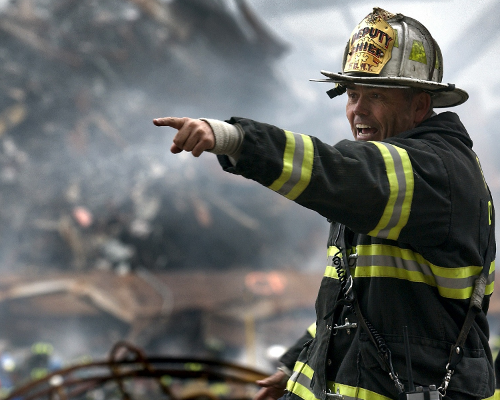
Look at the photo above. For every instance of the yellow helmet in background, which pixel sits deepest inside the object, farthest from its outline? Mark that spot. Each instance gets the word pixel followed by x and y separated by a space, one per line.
pixel 393 50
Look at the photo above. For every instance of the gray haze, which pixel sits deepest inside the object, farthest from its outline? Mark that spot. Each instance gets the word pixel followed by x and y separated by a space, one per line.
pixel 86 138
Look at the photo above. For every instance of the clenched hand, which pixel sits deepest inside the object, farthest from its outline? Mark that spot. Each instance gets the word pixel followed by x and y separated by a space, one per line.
pixel 273 387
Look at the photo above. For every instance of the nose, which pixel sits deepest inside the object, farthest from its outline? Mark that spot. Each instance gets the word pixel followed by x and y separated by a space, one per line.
pixel 361 106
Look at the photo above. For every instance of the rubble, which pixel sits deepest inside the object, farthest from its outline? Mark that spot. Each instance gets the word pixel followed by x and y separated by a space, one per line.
pixel 97 218
pixel 228 315
pixel 130 374
pixel 103 234
pixel 81 167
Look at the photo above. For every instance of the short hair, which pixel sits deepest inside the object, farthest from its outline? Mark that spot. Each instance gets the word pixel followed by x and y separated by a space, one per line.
pixel 411 92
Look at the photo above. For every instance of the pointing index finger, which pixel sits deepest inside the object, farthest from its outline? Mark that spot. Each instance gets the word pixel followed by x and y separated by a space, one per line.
pixel 173 122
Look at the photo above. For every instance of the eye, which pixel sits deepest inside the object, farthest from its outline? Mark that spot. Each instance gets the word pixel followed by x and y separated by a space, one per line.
pixel 352 95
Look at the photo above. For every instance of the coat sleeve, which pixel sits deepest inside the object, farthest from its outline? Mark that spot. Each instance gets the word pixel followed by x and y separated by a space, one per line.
pixel 368 186
pixel 289 358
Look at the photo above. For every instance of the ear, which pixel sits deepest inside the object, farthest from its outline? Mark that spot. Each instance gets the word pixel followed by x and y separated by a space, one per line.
pixel 421 106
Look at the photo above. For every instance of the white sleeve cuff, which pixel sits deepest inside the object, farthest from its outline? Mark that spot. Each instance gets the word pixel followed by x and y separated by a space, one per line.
pixel 285 370
pixel 228 138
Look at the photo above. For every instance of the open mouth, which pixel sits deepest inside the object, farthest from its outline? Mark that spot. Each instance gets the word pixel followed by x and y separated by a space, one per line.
pixel 365 131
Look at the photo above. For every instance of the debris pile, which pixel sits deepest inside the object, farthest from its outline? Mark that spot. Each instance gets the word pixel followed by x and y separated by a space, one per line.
pixel 130 374
pixel 86 180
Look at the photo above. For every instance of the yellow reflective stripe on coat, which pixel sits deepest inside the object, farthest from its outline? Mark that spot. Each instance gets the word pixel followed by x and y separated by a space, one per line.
pixel 385 261
pixel 297 166
pixel 401 184
pixel 300 381
pixel 352 393
pixel 312 329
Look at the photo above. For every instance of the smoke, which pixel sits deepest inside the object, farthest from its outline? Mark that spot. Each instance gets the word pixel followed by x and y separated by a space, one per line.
pixel 87 182
pixel 90 88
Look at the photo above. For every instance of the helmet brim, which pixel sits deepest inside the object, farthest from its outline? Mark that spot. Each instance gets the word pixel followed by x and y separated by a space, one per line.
pixel 443 95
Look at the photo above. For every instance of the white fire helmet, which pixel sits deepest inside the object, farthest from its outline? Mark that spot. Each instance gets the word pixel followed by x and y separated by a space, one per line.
pixel 393 50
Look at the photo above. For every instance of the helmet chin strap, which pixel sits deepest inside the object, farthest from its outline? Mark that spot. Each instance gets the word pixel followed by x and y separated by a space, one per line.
pixel 336 91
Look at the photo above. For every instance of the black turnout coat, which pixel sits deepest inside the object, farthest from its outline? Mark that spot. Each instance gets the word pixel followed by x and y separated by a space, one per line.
pixel 417 212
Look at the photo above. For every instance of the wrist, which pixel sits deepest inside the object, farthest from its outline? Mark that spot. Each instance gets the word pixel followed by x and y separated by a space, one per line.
pixel 228 138
pixel 287 373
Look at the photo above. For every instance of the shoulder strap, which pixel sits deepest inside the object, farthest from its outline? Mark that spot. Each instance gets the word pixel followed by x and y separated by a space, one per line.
pixel 475 305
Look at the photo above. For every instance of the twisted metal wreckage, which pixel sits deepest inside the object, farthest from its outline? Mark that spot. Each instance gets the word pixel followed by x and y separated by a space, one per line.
pixel 130 374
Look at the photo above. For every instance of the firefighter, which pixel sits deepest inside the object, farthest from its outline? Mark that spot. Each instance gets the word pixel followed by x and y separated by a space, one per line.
pixel 401 311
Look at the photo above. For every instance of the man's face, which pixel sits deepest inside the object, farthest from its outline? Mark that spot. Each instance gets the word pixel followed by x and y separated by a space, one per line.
pixel 379 113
